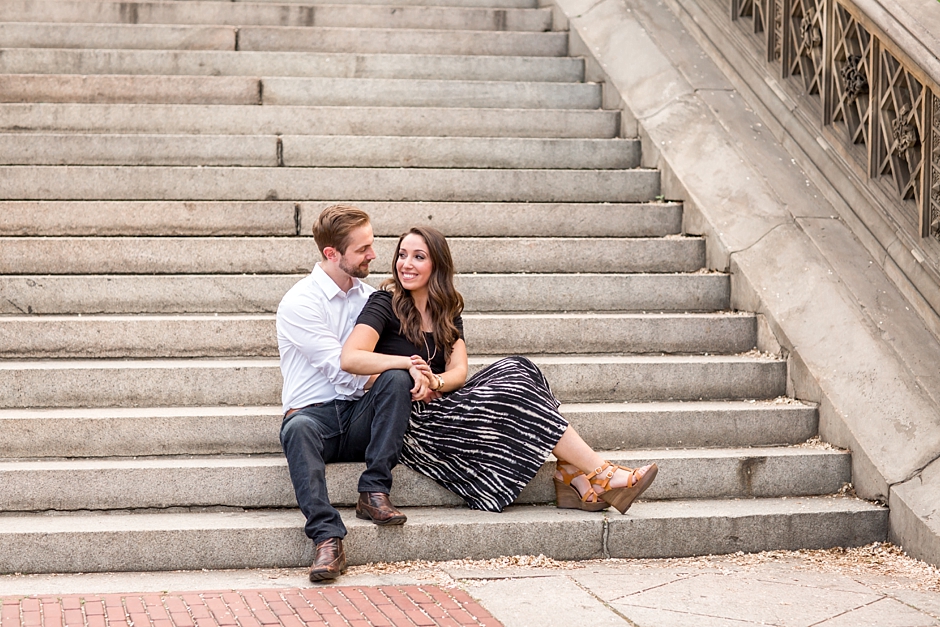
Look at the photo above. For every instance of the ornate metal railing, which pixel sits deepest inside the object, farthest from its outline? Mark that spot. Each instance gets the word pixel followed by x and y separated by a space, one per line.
pixel 870 99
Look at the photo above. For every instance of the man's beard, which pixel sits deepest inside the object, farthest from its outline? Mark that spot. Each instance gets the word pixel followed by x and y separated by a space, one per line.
pixel 357 272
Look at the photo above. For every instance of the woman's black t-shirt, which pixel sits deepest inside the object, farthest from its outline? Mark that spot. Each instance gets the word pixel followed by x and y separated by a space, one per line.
pixel 378 314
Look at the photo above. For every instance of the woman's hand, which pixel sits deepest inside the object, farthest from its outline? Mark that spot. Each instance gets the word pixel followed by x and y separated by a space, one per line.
pixel 418 362
pixel 422 384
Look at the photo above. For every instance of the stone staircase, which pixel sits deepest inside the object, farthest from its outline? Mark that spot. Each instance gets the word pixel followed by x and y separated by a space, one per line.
pixel 161 166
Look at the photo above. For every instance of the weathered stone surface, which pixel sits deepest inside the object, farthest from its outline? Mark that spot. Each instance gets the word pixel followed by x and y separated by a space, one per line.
pixel 221 90
pixel 286 14
pixel 128 432
pixel 215 183
pixel 150 37
pixel 773 227
pixel 169 218
pixel 399 41
pixel 433 93
pixel 273 120
pixel 67 337
pixel 263 481
pixel 271 255
pixel 275 538
pixel 914 522
pixel 745 525
pixel 140 218
pixel 48 294
pixel 149 383
pixel 246 63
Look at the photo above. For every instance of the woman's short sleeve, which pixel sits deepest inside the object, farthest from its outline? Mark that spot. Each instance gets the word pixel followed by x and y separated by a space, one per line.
pixel 377 312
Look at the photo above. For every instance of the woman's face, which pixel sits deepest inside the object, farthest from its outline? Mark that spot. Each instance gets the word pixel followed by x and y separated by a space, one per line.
pixel 413 265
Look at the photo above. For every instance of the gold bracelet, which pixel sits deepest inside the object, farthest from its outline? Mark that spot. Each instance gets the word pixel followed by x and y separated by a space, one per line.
pixel 440 382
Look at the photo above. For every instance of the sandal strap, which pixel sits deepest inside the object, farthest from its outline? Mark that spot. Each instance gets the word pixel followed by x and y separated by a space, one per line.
pixel 589 496
pixel 602 475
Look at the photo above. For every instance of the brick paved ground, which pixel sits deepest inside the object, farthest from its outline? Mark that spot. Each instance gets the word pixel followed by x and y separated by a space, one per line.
pixel 352 606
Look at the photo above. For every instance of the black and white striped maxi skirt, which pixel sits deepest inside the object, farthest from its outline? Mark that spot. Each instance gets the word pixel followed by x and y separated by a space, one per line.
pixel 487 440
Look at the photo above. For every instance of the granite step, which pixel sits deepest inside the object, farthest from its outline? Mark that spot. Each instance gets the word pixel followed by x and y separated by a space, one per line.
pixel 302 120
pixel 126 294
pixel 500 4
pixel 264 481
pixel 283 218
pixel 282 39
pixel 292 255
pixel 152 431
pixel 205 12
pixel 201 382
pixel 317 151
pixel 296 64
pixel 141 337
pixel 274 538
pixel 246 90
pixel 354 184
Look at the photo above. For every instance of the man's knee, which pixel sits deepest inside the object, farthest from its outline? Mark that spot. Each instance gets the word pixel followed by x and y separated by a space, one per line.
pixel 394 381
pixel 304 431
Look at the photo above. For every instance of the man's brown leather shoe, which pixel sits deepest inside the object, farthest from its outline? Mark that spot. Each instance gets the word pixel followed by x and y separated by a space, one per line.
pixel 330 562
pixel 376 507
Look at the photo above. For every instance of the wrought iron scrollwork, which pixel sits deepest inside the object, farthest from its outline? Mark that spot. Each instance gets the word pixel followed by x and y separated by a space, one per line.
pixel 888 119
pixel 810 33
pixel 853 75
pixel 904 132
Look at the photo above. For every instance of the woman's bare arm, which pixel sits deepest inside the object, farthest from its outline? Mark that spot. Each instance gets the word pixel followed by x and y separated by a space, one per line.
pixel 359 356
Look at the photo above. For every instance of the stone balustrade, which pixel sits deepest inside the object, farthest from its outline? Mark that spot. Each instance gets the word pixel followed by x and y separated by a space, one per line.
pixel 863 76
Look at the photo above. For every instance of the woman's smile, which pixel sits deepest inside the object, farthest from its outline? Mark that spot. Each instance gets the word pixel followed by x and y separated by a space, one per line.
pixel 413 265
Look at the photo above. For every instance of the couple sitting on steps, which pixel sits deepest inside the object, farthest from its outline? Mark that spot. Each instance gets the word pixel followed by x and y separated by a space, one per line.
pixel 381 376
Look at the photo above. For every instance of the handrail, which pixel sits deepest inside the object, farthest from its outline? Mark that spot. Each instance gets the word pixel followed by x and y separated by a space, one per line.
pixel 867 72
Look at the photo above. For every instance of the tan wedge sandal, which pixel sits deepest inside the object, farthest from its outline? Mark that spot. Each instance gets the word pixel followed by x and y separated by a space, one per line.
pixel 567 496
pixel 622 498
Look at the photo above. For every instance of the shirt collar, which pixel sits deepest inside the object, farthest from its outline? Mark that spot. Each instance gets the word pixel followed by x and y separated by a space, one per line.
pixel 329 286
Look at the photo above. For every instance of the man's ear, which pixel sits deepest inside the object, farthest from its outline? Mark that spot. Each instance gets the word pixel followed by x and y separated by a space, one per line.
pixel 330 253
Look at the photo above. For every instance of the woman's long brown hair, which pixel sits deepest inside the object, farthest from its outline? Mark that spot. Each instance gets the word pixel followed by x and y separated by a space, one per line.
pixel 444 302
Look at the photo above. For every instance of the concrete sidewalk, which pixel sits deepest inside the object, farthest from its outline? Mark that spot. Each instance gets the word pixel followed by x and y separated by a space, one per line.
pixel 874 585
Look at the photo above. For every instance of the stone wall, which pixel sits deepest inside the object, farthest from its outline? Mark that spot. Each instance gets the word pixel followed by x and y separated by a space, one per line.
pixel 824 220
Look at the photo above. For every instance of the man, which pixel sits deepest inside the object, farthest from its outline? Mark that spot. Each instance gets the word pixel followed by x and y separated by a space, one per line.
pixel 331 415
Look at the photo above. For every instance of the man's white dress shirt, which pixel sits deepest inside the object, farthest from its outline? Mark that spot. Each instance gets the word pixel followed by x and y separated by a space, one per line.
pixel 313 320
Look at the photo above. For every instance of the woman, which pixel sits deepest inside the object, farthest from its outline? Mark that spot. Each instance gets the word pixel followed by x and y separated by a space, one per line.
pixel 483 439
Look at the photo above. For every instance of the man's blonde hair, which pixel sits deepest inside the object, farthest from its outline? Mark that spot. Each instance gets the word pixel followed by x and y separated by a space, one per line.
pixel 336 222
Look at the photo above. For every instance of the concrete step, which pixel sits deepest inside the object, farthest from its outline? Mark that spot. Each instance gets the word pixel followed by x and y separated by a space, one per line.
pixel 49 294
pixel 400 40
pixel 299 120
pixel 264 482
pixel 502 4
pixel 317 151
pixel 308 64
pixel 97 337
pixel 424 93
pixel 506 4
pixel 274 538
pixel 114 36
pixel 201 382
pixel 354 184
pixel 174 218
pixel 130 432
pixel 280 255
pixel 243 90
pixel 294 64
pixel 282 39
pixel 204 12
